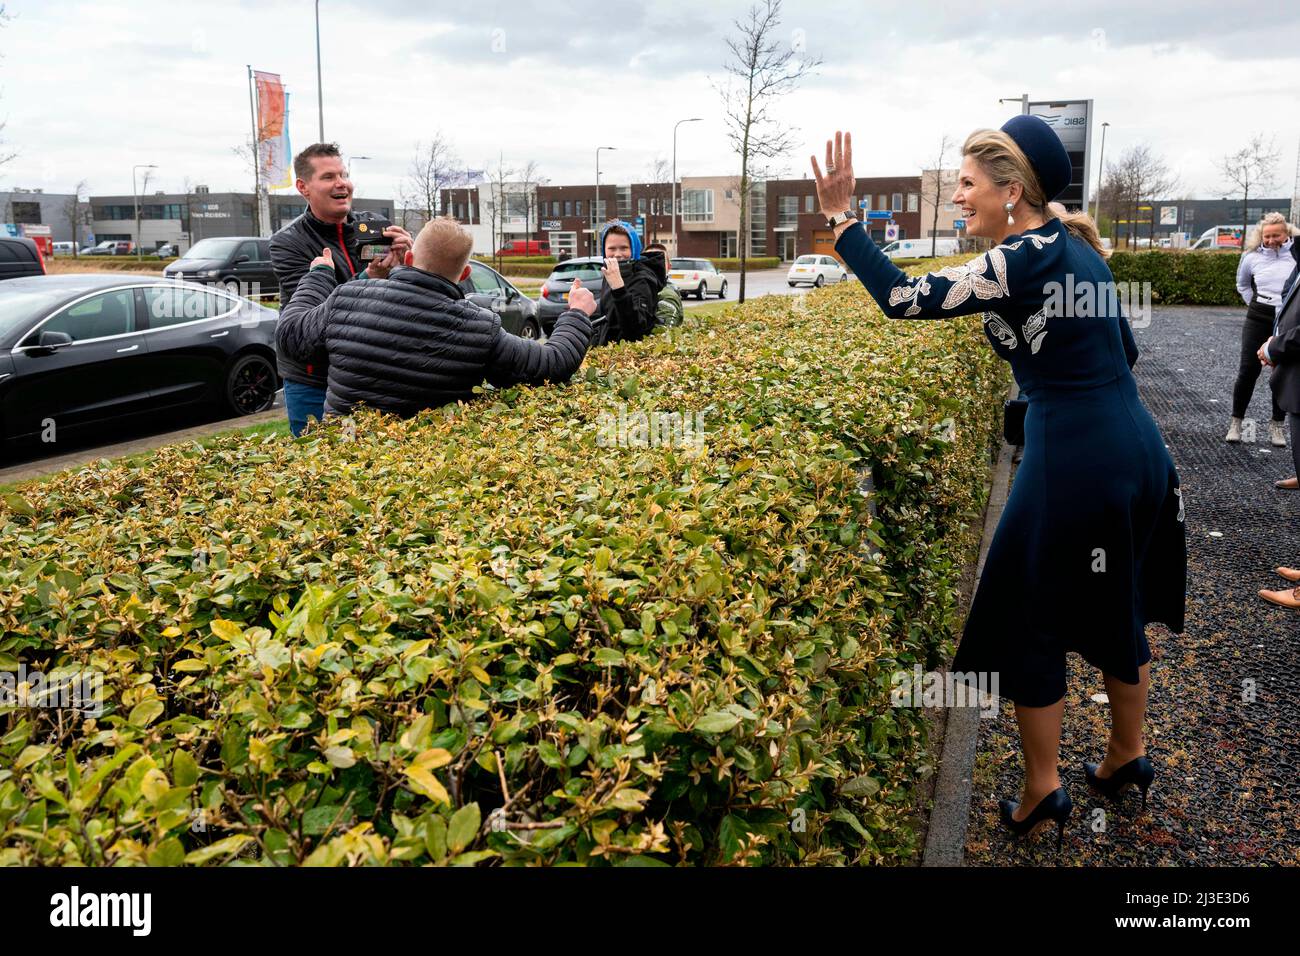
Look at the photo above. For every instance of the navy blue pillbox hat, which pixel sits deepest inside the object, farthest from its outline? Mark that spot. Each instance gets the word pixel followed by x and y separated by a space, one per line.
pixel 1044 150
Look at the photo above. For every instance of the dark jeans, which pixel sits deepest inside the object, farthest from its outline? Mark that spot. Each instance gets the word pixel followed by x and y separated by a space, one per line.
pixel 1255 331
pixel 302 401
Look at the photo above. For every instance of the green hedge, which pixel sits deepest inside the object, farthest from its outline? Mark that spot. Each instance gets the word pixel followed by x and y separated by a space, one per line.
pixel 350 647
pixel 127 263
pixel 751 265
pixel 1179 277
pixel 518 260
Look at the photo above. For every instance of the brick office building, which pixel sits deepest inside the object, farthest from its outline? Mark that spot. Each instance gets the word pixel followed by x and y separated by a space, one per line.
pixel 796 227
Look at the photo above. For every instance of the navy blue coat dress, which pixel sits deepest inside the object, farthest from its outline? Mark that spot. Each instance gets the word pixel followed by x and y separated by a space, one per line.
pixel 1091 546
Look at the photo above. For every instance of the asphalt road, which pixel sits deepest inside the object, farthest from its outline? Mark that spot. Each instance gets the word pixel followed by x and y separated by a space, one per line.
pixel 766 282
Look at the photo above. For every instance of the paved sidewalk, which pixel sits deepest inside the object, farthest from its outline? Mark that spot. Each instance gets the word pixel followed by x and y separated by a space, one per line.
pixel 1224 717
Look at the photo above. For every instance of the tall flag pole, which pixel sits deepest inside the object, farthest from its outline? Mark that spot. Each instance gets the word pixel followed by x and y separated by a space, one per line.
pixel 257 185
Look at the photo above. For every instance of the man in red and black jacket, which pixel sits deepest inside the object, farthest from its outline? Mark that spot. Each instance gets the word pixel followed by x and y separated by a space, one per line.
pixel 329 222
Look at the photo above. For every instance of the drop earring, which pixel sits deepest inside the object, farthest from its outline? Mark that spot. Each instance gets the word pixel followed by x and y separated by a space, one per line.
pixel 1008 207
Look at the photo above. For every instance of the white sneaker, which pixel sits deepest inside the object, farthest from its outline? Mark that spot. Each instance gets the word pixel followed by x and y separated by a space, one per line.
pixel 1234 431
pixel 1276 436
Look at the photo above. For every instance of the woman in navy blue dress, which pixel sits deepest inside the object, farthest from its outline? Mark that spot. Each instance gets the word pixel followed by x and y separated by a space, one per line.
pixel 1091 546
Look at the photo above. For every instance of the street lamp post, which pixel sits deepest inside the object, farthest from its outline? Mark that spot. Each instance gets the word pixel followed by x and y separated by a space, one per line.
pixel 597 200
pixel 1101 172
pixel 320 95
pixel 673 208
pixel 135 195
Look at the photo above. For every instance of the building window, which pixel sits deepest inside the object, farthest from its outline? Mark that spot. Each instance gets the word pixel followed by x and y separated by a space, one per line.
pixel 867 199
pixel 599 209
pixel 787 211
pixel 807 203
pixel 949 207
pixel 623 195
pixel 913 202
pixel 577 207
pixel 897 205
pixel 882 201
pixel 640 206
pixel 697 205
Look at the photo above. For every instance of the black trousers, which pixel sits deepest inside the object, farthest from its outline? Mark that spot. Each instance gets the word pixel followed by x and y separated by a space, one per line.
pixel 1255 331
pixel 1295 441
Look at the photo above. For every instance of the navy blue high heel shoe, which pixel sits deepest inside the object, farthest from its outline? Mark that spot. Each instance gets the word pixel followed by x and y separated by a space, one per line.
pixel 1138 772
pixel 1055 806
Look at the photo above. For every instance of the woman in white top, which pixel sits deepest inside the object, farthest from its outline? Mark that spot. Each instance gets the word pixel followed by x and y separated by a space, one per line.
pixel 1269 257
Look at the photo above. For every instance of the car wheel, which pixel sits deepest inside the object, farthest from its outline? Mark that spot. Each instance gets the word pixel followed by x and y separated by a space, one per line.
pixel 844 277
pixel 821 281
pixel 699 293
pixel 790 284
pixel 531 329
pixel 722 293
pixel 230 285
pixel 251 384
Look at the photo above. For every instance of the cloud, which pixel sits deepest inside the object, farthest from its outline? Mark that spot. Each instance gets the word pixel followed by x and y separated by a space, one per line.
pixel 90 89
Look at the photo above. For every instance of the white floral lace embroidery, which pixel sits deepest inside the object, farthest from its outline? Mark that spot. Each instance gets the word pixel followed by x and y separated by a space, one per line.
pixel 969 278
pixel 1000 328
pixel 1035 329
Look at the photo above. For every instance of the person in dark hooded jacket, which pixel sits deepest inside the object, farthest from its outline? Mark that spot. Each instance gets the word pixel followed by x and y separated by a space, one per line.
pixel 630 300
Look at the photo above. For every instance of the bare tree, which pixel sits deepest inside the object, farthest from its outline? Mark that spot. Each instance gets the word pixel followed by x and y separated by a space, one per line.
pixel 434 168
pixel 530 178
pixel 247 153
pixel 76 216
pixel 945 144
pixel 761 69
pixel 497 178
pixel 139 202
pixel 1140 176
pixel 1252 167
pixel 661 191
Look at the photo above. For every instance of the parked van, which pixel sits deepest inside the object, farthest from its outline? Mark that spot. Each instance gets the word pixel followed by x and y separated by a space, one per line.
pixel 919 248
pixel 525 247
pixel 1219 237
pixel 64 248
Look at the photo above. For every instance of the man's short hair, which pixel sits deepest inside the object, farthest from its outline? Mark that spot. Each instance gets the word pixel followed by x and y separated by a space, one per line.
pixel 657 245
pixel 443 247
pixel 302 163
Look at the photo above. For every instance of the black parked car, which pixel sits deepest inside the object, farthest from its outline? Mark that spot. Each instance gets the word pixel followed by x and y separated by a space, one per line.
pixel 85 349
pixel 19 257
pixel 490 289
pixel 240 264
pixel 555 291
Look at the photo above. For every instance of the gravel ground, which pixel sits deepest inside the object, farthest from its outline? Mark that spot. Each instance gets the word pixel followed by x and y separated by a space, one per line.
pixel 1226 764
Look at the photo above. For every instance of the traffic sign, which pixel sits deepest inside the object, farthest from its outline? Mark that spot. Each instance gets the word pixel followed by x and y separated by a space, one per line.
pixel 959 223
pixel 879 214
pixel 891 232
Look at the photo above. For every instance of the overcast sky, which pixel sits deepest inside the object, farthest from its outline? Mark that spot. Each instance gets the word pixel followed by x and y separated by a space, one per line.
pixel 89 89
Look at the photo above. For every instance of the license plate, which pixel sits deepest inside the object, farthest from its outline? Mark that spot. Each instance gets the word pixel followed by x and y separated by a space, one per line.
pixel 675 275
pixel 800 270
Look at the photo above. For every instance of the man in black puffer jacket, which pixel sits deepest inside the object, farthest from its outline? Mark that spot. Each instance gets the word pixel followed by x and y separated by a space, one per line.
pixel 412 341
pixel 329 221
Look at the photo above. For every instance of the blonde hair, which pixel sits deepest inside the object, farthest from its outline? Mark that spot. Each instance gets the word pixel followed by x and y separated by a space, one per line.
pixel 443 247
pixel 1268 219
pixel 1005 163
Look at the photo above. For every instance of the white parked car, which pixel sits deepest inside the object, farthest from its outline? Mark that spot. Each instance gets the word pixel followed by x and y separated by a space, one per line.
pixel 921 248
pixel 699 276
pixel 816 270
